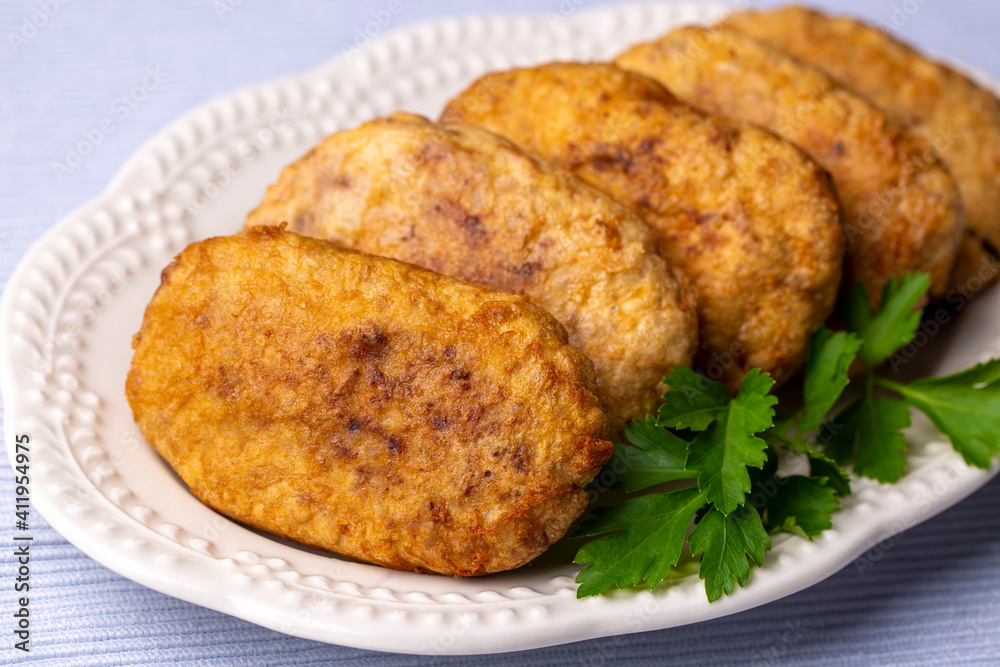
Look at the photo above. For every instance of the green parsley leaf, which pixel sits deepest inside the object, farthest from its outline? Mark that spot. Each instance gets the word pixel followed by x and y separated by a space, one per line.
pixel 766 471
pixel 896 321
pixel 725 541
pixel 870 432
pixel 801 505
pixel 821 465
pixel 836 477
pixel 654 528
pixel 830 355
pixel 722 453
pixel 981 374
pixel 693 401
pixel 658 456
pixel 964 406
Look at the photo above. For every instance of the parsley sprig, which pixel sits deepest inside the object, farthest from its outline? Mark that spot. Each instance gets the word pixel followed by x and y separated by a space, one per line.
pixel 723 452
pixel 964 406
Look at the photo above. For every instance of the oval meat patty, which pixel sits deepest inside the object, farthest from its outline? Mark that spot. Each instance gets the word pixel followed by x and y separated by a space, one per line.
pixel 366 406
pixel 748 217
pixel 955 115
pixel 466 203
pixel 901 208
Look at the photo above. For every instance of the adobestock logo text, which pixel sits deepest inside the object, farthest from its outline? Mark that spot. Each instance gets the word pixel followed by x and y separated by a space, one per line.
pixel 33 23
pixel 120 110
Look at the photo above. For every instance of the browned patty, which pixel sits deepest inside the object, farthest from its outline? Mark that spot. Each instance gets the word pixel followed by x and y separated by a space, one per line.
pixel 466 203
pixel 902 211
pixel 748 217
pixel 959 118
pixel 366 406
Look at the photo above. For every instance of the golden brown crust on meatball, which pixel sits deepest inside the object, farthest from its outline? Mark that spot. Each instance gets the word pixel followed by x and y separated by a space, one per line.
pixel 366 406
pixel 901 208
pixel 748 217
pixel 466 203
pixel 958 117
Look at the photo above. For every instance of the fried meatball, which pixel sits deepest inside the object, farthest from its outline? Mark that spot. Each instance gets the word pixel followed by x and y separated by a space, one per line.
pixel 366 406
pixel 901 208
pixel 466 203
pixel 748 217
pixel 959 118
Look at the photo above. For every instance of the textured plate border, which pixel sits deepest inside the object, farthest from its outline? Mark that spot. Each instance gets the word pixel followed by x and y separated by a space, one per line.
pixel 96 482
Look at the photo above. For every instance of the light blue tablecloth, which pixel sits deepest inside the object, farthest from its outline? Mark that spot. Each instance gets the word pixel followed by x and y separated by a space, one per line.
pixel 933 598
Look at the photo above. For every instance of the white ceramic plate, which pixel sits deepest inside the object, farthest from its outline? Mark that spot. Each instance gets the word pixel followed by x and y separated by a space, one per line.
pixel 70 309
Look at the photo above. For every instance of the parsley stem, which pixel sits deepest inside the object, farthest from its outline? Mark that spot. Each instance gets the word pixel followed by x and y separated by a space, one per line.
pixel 889 384
pixel 870 381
